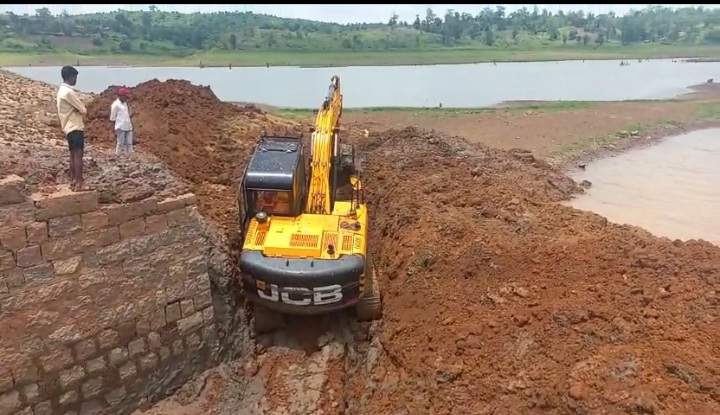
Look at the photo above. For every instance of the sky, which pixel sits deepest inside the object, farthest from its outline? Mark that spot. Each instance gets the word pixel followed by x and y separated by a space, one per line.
pixel 344 13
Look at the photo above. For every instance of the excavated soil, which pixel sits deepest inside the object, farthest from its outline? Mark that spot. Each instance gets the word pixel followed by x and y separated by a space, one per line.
pixel 32 146
pixel 498 300
pixel 202 139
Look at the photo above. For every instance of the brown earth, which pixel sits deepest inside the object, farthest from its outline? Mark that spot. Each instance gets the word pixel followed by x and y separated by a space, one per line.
pixel 33 146
pixel 498 300
pixel 542 132
pixel 201 139
pixel 553 133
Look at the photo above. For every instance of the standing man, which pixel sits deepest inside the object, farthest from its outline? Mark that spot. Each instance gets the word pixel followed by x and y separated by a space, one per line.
pixel 120 115
pixel 71 111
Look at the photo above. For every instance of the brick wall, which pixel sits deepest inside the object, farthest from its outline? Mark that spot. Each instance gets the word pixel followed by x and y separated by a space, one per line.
pixel 102 307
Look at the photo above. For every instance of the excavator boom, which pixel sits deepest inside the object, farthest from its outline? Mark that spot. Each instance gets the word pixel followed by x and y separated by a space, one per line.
pixel 323 149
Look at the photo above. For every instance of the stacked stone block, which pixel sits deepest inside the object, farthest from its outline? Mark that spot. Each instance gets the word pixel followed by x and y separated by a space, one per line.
pixel 102 307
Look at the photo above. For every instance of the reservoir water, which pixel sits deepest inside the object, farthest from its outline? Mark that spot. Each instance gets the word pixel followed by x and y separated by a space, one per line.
pixel 461 85
pixel 671 189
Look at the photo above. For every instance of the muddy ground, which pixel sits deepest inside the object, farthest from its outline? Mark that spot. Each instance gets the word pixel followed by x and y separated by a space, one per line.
pixel 559 132
pixel 498 300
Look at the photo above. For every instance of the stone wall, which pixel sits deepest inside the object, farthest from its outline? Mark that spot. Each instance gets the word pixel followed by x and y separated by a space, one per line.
pixel 102 307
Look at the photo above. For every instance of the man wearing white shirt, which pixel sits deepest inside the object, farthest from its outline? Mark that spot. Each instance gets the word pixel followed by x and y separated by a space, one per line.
pixel 120 115
pixel 70 111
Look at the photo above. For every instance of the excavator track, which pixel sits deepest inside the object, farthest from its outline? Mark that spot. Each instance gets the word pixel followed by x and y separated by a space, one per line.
pixel 369 306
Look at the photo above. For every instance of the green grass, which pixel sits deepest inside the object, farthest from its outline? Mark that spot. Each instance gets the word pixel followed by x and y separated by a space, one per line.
pixel 65 58
pixel 344 58
pixel 550 106
pixel 572 150
pixel 709 111
pixel 295 114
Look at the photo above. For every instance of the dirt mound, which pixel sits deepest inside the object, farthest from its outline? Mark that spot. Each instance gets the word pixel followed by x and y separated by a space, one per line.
pixel 33 147
pixel 199 137
pixel 499 300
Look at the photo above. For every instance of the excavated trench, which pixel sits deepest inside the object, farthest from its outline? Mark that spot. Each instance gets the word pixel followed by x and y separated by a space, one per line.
pixel 498 299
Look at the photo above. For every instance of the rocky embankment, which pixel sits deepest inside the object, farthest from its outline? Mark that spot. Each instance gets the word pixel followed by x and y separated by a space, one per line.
pixel 33 147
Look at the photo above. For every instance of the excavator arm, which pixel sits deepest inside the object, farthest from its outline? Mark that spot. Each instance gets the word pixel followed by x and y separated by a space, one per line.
pixel 323 149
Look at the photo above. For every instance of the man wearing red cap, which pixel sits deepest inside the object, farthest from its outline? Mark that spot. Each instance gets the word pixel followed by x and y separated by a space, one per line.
pixel 120 115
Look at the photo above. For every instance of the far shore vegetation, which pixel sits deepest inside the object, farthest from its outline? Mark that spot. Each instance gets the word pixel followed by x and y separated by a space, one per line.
pixel 159 38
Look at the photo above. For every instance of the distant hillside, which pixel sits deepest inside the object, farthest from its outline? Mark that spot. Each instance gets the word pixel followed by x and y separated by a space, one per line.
pixel 158 33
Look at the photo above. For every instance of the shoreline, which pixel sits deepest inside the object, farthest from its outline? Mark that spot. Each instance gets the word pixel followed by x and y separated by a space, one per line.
pixel 562 159
pixel 625 144
pixel 360 64
pixel 341 59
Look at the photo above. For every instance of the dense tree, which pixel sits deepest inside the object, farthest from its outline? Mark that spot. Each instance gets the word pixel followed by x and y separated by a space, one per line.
pixel 147 25
pixel 393 20
pixel 125 46
pixel 489 36
pixel 573 34
pixel 165 31
pixel 553 32
pixel 713 36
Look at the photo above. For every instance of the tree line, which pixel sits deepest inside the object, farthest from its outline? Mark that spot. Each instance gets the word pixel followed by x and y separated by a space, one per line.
pixel 652 24
pixel 165 31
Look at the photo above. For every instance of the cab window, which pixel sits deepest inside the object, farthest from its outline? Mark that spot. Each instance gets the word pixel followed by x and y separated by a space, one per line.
pixel 271 202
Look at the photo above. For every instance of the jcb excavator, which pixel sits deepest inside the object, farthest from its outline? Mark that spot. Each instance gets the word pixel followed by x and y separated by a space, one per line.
pixel 305 244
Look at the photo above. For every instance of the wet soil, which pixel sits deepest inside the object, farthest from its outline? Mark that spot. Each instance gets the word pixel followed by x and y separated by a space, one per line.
pixel 561 135
pixel 498 299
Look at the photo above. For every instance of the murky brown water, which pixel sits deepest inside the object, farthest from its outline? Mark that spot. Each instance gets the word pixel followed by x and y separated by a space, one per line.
pixel 671 189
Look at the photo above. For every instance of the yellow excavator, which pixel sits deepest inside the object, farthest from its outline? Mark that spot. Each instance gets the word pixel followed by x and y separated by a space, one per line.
pixel 305 236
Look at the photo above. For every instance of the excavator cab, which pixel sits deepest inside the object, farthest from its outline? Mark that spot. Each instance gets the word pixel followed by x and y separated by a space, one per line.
pixel 275 179
pixel 304 244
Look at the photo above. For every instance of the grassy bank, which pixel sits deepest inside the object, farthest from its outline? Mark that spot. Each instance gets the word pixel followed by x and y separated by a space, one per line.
pixel 709 111
pixel 542 106
pixel 343 58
